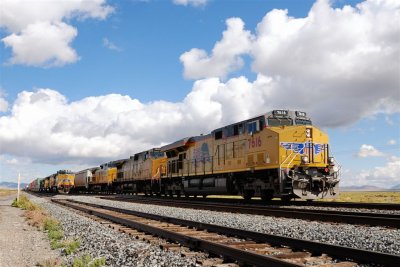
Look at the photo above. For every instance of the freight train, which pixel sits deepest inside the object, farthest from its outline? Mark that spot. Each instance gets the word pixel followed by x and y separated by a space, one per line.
pixel 277 154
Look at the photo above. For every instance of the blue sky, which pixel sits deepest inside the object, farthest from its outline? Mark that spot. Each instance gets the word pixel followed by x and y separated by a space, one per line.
pixel 81 85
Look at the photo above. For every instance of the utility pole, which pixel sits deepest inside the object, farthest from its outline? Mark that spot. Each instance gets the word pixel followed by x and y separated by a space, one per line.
pixel 19 181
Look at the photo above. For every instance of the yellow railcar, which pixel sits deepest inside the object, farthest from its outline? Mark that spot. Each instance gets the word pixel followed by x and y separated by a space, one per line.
pixel 103 178
pixel 64 181
pixel 142 172
pixel 278 154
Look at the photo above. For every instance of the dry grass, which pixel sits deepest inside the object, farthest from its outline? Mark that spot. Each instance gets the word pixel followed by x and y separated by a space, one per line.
pixel 50 263
pixel 34 214
pixel 369 197
pixel 7 192
pixel 356 196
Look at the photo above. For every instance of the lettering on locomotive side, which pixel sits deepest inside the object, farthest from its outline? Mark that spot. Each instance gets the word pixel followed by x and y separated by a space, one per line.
pixel 255 142
pixel 202 153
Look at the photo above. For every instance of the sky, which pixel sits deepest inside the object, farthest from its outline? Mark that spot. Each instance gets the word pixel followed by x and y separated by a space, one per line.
pixel 83 82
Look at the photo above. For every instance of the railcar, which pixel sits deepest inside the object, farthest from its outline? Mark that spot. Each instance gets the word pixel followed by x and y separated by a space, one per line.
pixel 34 186
pixel 278 154
pixel 83 179
pixel 103 178
pixel 60 182
pixel 64 181
pixel 142 172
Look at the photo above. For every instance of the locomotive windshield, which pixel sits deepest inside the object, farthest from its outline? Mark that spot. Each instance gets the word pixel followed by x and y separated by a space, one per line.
pixel 303 122
pixel 156 154
pixel 279 121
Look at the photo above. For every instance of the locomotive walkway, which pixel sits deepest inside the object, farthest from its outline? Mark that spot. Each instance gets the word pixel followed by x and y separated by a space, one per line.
pixel 373 219
pixel 243 247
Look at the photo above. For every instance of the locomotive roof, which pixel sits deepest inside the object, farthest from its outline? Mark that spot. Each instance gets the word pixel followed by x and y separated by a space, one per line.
pixel 277 113
pixel 177 144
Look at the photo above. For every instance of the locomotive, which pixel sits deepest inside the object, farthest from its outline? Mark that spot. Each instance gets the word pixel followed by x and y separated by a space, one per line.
pixel 60 182
pixel 277 154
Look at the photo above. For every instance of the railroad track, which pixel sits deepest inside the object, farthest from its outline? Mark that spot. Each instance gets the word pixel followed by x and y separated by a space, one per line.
pixel 355 205
pixel 362 218
pixel 235 245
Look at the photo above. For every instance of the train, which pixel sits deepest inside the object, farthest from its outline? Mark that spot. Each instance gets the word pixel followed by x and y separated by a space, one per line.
pixel 279 154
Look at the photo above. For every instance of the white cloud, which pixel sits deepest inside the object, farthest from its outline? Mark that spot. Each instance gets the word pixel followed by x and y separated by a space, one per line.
pixel 3 104
pixel 225 56
pixel 385 177
pixel 12 161
pixel 342 64
pixel 195 3
pixel 103 127
pixel 43 44
pixel 392 142
pixel 3 101
pixel 369 151
pixel 110 45
pixel 39 34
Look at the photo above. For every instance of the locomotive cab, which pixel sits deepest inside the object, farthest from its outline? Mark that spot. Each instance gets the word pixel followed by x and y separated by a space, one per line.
pixel 64 181
pixel 305 164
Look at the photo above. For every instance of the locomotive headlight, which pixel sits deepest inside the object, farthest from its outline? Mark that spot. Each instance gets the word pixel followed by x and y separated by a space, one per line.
pixel 331 161
pixel 304 160
pixel 308 133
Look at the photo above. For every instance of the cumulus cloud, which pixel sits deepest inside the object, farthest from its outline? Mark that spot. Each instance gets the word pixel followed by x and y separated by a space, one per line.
pixel 341 64
pixel 195 3
pixel 110 45
pixel 43 44
pixel 225 56
pixel 104 127
pixel 39 34
pixel 392 142
pixel 3 104
pixel 369 151
pixel 385 176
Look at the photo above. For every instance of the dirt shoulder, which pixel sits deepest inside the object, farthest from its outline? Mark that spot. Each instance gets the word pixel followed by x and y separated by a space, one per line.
pixel 20 243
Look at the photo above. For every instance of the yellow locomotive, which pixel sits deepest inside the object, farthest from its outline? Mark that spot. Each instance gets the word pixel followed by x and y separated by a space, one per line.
pixel 142 172
pixel 60 182
pixel 278 154
pixel 103 178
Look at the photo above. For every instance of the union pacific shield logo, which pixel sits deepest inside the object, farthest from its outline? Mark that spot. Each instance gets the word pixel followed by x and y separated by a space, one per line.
pixel 318 148
pixel 296 147
pixel 302 148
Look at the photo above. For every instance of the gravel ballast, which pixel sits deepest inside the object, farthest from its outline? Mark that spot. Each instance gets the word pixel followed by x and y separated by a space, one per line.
pixel 362 237
pixel 117 248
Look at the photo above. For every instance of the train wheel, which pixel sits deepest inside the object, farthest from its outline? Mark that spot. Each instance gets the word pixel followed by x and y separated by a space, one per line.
pixel 248 194
pixel 267 195
pixel 286 198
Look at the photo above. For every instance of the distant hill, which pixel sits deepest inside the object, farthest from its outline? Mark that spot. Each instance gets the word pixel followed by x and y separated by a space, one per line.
pixel 396 187
pixel 11 185
pixel 363 188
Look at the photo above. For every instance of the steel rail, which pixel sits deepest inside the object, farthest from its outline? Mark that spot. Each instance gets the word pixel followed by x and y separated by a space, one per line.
pixel 242 256
pixel 334 204
pixel 340 252
pixel 374 219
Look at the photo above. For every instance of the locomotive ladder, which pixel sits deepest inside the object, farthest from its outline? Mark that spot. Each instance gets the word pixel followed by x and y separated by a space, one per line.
pixel 290 159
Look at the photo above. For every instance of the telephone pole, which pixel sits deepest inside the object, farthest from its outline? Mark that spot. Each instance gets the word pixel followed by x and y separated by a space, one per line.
pixel 19 181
